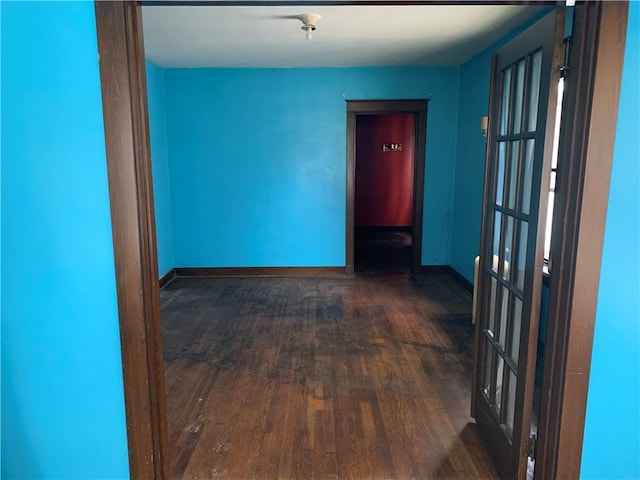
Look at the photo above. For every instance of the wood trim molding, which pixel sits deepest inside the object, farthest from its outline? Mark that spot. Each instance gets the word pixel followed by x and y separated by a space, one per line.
pixel 124 101
pixel 260 271
pixel 434 269
pixel 235 3
pixel 588 133
pixel 382 107
pixel 449 270
pixel 385 107
pixel 478 361
pixel 464 283
pixel 418 186
pixel 167 277
pixel 351 197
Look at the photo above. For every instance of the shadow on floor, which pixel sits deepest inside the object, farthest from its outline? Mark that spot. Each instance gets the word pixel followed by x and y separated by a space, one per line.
pixel 382 249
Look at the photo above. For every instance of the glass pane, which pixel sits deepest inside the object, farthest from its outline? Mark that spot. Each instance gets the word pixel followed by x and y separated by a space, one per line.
pixel 518 100
pixel 513 175
pixel 488 368
pixel 498 388
pixel 534 91
pixel 556 131
pixel 510 403
pixel 503 320
pixel 496 241
pixel 552 189
pixel 522 254
pixel 527 176
pixel 548 227
pixel 492 307
pixel 516 322
pixel 508 247
pixel 506 90
pixel 502 153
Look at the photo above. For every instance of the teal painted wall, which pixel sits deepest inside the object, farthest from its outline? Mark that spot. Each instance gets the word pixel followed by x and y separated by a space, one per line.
pixel 257 160
pixel 160 166
pixel 469 169
pixel 0 236
pixel 612 431
pixel 62 394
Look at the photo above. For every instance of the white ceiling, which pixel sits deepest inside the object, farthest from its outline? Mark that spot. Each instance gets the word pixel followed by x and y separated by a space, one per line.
pixel 263 36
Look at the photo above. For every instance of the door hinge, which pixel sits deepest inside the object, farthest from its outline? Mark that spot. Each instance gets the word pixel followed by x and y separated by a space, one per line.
pixel 531 450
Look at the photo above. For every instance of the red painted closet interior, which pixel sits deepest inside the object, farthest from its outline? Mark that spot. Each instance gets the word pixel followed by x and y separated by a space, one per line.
pixel 384 180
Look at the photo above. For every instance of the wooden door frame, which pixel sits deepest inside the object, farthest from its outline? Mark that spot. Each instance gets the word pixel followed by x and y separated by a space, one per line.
pixel 126 129
pixel 587 140
pixel 586 147
pixel 356 108
pixel 547 33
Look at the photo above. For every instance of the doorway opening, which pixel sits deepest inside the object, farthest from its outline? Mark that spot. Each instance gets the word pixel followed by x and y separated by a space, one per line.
pixel 385 185
pixel 119 26
pixel 385 146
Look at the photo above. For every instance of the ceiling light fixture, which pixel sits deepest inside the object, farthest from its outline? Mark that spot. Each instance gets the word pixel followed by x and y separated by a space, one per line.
pixel 309 23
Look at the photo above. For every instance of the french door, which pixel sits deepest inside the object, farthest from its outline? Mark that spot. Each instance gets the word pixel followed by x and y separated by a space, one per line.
pixel 525 75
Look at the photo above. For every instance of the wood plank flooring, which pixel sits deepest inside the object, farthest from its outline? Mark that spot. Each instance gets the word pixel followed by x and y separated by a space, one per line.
pixel 364 377
pixel 382 249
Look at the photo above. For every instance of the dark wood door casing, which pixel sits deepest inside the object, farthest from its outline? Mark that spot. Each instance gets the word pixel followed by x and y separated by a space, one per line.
pixel 126 127
pixel 588 125
pixel 383 107
pixel 596 60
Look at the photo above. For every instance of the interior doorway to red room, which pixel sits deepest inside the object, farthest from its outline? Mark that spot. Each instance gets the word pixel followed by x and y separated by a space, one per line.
pixel 384 192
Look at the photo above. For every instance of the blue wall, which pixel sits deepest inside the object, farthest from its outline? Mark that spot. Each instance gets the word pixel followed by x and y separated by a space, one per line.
pixel 469 170
pixel 257 161
pixel 160 166
pixel 62 394
pixel 612 432
pixel 0 234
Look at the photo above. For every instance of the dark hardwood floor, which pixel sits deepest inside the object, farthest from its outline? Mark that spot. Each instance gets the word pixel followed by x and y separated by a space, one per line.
pixel 382 249
pixel 364 377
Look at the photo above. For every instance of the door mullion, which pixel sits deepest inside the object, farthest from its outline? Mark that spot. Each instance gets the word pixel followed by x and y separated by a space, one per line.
pixel 507 368
pixel 512 213
pixel 526 93
pixel 519 176
pixel 495 354
pixel 511 122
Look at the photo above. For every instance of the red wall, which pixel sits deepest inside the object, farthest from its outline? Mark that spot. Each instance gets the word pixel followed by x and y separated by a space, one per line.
pixel 384 180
